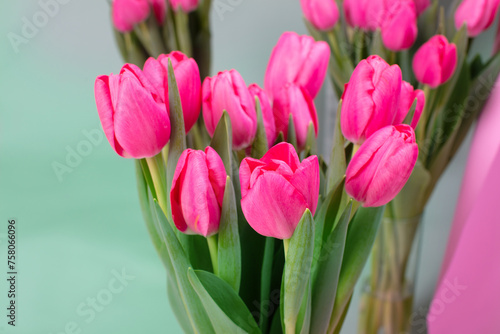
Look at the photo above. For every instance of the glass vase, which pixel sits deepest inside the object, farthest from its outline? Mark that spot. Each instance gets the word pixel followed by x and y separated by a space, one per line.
pixel 388 289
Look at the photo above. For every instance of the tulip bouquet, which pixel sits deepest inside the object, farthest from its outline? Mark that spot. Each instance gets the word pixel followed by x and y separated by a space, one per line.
pixel 432 71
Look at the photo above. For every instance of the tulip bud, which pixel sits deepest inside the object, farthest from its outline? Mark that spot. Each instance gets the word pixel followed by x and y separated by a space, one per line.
pixel 422 5
pixel 127 13
pixel 323 14
pixel 435 62
pixel 397 21
pixel 277 189
pixel 355 13
pixel 477 15
pixel 198 191
pixel 188 80
pixel 298 60
pixel 267 113
pixel 408 96
pixel 382 165
pixel 295 101
pixel 371 99
pixel 227 91
pixel 133 114
pixel 186 5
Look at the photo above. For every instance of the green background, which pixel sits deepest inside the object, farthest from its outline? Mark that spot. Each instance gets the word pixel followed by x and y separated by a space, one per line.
pixel 72 233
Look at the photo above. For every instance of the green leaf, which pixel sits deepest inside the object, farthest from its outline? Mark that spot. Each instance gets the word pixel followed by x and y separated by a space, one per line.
pixel 297 270
pixel 222 142
pixel 411 113
pixel 292 135
pixel 259 145
pixel 338 165
pixel 229 240
pixel 359 242
pixel 178 273
pixel 175 301
pixel 225 308
pixel 311 142
pixel 327 277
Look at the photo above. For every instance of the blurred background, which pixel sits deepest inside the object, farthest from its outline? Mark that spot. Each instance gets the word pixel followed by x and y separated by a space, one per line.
pixel 86 264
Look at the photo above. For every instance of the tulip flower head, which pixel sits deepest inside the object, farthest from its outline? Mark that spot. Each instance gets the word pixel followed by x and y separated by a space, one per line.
pixel 198 191
pixel 477 15
pixel 186 5
pixel 371 99
pixel 228 91
pixel 408 96
pixel 435 62
pixel 382 165
pixel 298 60
pixel 277 189
pixel 355 13
pixel 187 76
pixel 323 14
pixel 133 113
pixel 127 13
pixel 267 113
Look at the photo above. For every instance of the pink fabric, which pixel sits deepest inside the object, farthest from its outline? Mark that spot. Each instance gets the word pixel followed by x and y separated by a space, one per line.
pixel 467 295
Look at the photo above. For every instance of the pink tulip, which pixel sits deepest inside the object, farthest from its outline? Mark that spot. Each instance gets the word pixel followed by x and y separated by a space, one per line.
pixel 127 13
pixel 422 5
pixel 408 96
pixel 277 189
pixel 298 60
pixel 435 62
pixel 295 101
pixel 355 13
pixel 371 99
pixel 227 91
pixel 188 80
pixel 132 112
pixel 198 191
pixel 397 21
pixel 477 15
pixel 267 113
pixel 382 166
pixel 323 14
pixel 186 5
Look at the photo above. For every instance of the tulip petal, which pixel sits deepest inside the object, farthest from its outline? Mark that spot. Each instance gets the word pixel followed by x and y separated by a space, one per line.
pixel 216 173
pixel 284 152
pixel 306 181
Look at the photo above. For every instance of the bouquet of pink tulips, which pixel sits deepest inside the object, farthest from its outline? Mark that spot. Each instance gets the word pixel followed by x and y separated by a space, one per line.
pixel 258 234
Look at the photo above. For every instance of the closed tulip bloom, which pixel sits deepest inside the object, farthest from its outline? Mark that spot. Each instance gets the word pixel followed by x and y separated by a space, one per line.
pixel 371 99
pixel 408 96
pixel 323 14
pixel 477 15
pixel 267 113
pixel 299 60
pixel 198 191
pixel 133 114
pixel 127 13
pixel 295 101
pixel 277 189
pixel 422 5
pixel 187 75
pixel 186 5
pixel 382 166
pixel 355 13
pixel 435 62
pixel 228 91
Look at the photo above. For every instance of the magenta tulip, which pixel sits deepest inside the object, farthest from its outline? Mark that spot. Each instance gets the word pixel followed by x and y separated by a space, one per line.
pixel 228 91
pixel 323 14
pixel 382 166
pixel 198 191
pixel 371 99
pixel 407 98
pixel 188 80
pixel 127 13
pixel 267 113
pixel 435 62
pixel 186 5
pixel 355 13
pixel 295 101
pixel 477 15
pixel 277 189
pixel 422 5
pixel 132 112
pixel 298 60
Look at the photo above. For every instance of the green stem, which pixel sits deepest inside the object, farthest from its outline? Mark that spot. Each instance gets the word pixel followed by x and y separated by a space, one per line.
pixel 422 127
pixel 157 170
pixel 265 285
pixel 182 32
pixel 286 243
pixel 213 246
